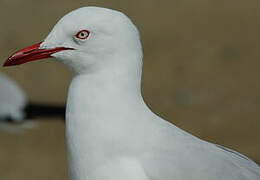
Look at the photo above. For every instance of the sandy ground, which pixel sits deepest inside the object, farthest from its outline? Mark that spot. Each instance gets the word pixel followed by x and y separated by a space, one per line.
pixel 201 72
pixel 37 153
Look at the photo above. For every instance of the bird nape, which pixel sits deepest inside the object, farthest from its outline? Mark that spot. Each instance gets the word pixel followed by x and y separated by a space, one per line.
pixel 111 133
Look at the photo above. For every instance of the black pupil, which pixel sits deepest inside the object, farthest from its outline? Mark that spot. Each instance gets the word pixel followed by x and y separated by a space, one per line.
pixel 82 34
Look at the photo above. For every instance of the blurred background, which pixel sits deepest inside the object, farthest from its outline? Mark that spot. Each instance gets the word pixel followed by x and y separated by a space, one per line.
pixel 201 72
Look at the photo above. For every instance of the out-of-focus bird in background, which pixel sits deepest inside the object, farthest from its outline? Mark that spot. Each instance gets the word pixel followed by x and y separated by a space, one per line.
pixel 13 100
pixel 15 107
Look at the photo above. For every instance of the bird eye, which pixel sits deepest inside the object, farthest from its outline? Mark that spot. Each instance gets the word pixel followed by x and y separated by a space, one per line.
pixel 82 34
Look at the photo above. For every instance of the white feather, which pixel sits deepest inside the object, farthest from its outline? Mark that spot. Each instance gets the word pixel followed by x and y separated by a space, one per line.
pixel 111 133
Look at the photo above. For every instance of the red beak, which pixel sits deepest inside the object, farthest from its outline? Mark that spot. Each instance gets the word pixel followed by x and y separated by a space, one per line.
pixel 31 53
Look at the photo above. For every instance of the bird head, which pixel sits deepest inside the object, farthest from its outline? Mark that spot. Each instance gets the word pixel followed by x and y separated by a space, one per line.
pixel 85 39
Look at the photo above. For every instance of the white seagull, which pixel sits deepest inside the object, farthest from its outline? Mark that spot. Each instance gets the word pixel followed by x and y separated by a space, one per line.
pixel 17 113
pixel 12 100
pixel 111 133
pixel 15 106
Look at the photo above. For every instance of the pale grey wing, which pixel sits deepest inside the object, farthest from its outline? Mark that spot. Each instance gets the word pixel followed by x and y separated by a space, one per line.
pixel 239 155
pixel 242 161
pixel 177 155
pixel 200 163
pixel 183 156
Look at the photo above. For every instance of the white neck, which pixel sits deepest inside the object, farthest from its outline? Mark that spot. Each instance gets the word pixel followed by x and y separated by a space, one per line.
pixel 99 108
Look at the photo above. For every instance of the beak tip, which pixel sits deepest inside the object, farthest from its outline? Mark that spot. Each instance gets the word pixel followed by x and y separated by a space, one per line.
pixel 8 62
pixel 5 64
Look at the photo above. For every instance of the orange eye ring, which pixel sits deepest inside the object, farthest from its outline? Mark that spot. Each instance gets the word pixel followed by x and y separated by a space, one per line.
pixel 83 34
